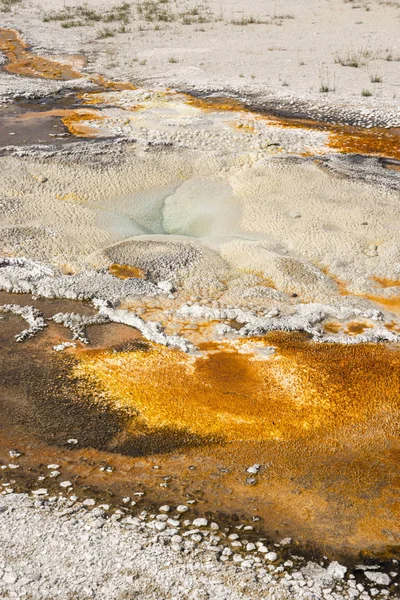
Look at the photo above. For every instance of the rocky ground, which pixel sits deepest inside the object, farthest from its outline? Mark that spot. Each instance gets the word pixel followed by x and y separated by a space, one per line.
pixel 69 549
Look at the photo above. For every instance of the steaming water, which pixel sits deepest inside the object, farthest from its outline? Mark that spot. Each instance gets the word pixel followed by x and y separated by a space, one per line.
pixel 195 208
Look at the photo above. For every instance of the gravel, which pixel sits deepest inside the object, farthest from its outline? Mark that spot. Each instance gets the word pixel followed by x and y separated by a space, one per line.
pixel 65 550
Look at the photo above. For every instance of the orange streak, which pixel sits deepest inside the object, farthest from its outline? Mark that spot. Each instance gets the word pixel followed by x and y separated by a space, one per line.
pixel 126 271
pixel 348 139
pixel 23 62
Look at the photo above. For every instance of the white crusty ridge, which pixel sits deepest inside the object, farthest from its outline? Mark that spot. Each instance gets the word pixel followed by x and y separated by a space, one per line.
pixel 21 275
pixel 151 330
pixel 306 317
pixel 77 323
pixel 32 316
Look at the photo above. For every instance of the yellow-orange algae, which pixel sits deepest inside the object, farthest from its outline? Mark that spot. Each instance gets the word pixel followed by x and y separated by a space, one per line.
pixel 216 103
pixel 24 62
pixel 332 327
pixel 375 141
pixel 349 139
pixel 385 282
pixel 126 271
pixel 335 407
pixel 76 122
pixel 74 119
pixel 357 327
pixel 112 85
pixel 392 326
pixel 304 386
pixel 392 304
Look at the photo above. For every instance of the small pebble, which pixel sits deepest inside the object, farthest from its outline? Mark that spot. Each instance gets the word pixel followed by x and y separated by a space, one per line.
pixel 254 469
pixel 14 453
pixel 89 502
pixel 40 492
pixel 200 522
pixel 271 556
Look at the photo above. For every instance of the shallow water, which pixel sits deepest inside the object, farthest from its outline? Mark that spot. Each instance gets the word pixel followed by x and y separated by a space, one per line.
pixel 325 433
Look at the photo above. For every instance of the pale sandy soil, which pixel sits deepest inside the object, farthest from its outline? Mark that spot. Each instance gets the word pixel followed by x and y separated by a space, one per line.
pixel 292 51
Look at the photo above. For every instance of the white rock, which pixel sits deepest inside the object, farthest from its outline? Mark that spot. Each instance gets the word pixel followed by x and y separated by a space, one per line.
pixel 173 522
pixel 176 547
pixel 161 517
pixel 165 286
pixel 10 578
pixel 247 564
pixel 271 556
pixel 165 508
pixel 250 547
pixel 14 454
pixel 254 469
pixel 176 539
pixel 336 570
pixel 286 541
pixel 200 522
pixel 182 508
pixel 65 484
pixel 40 492
pixel 40 178
pixel 72 441
pixel 378 578
pixel 89 502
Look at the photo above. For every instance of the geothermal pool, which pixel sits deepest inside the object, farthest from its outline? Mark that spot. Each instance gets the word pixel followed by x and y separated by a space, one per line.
pixel 190 287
